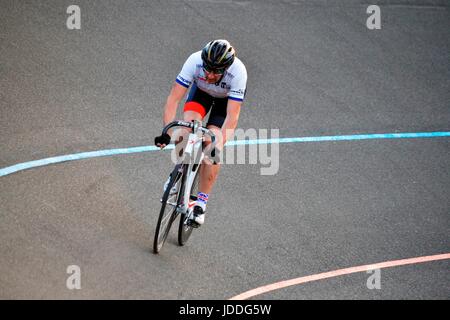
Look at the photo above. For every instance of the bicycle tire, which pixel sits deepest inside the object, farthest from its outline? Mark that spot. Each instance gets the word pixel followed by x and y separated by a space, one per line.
pixel 184 230
pixel 166 218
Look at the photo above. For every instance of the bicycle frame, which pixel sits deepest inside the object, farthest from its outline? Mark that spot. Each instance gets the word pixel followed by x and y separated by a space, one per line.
pixel 193 150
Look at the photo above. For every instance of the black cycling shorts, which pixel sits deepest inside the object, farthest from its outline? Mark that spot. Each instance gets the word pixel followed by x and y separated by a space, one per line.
pixel 202 103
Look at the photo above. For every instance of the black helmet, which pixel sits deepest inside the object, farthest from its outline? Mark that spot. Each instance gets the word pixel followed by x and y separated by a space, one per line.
pixel 218 55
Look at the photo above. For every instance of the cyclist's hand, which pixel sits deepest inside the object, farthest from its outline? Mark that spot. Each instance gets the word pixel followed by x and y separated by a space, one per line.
pixel 162 140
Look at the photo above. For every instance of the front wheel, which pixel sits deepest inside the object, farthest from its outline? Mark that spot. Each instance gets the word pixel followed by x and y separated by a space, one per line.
pixel 168 213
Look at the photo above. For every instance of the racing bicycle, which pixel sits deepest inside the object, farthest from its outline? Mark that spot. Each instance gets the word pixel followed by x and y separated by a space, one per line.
pixel 181 192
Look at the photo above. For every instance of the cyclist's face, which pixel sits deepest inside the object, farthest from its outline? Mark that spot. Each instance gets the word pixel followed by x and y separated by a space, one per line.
pixel 212 77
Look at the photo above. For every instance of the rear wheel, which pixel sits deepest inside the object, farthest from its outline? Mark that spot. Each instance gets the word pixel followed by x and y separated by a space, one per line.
pixel 184 230
pixel 168 211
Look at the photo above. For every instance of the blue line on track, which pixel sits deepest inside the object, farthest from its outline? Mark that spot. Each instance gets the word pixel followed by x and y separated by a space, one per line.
pixel 111 152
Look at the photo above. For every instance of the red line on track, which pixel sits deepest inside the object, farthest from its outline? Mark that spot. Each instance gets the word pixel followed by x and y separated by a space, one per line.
pixel 336 273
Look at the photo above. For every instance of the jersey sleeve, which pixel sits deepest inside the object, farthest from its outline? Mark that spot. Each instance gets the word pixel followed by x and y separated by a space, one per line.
pixel 238 86
pixel 186 74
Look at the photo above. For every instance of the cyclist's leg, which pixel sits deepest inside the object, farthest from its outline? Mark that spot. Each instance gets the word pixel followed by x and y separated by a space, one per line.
pixel 196 107
pixel 208 171
pixel 188 115
pixel 180 134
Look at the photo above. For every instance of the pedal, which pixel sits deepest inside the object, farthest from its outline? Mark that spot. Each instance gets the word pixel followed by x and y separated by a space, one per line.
pixel 192 223
pixel 189 221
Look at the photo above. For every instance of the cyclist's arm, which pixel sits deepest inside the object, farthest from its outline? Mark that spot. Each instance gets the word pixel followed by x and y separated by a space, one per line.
pixel 236 96
pixel 173 100
pixel 231 121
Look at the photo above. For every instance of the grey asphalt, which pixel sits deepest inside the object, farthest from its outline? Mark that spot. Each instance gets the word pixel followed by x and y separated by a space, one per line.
pixel 314 69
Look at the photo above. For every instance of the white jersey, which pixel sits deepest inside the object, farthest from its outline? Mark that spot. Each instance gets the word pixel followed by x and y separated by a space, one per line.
pixel 232 84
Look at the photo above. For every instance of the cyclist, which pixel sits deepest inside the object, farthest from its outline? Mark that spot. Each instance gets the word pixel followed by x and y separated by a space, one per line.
pixel 217 81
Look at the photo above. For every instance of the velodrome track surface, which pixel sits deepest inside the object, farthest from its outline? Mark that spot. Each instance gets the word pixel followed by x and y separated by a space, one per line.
pixel 314 70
